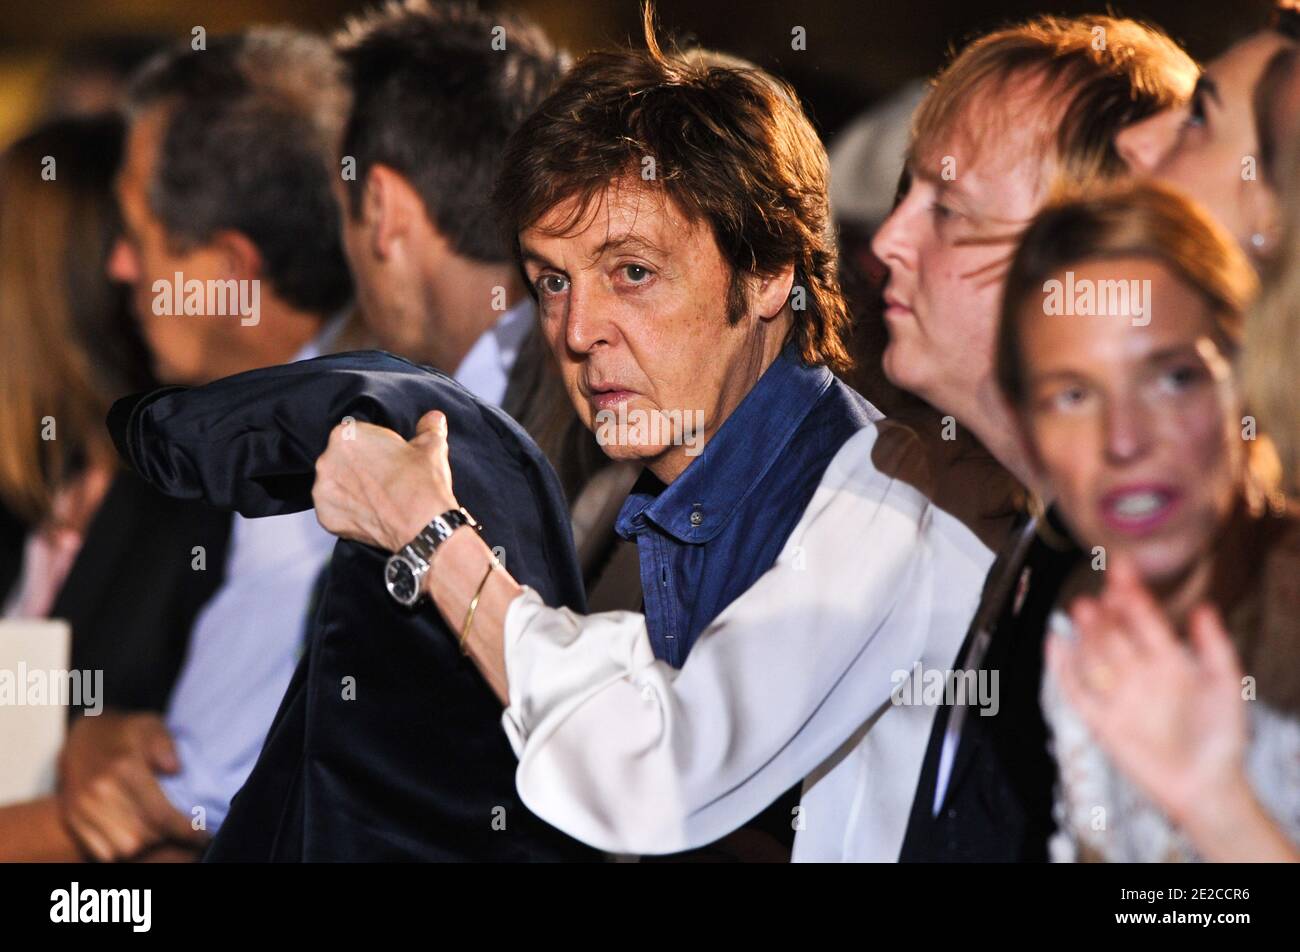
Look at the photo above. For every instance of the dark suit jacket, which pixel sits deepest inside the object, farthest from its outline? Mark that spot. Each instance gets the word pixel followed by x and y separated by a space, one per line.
pixel 133 592
pixel 998 803
pixel 388 744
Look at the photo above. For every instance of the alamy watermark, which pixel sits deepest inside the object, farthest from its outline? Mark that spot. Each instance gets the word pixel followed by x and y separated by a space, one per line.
pixel 212 298
pixel 624 427
pixel 43 687
pixel 1108 298
pixel 133 907
pixel 934 686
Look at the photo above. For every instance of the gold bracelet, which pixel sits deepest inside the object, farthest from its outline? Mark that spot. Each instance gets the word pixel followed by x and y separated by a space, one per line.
pixel 473 604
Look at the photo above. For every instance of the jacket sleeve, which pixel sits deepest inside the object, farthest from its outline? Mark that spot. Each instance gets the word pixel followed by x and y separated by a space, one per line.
pixel 250 442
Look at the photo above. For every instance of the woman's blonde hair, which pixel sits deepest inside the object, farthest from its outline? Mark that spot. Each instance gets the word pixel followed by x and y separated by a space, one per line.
pixel 70 346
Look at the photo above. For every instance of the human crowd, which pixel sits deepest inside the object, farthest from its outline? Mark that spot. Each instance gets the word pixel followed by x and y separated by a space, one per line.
pixel 449 449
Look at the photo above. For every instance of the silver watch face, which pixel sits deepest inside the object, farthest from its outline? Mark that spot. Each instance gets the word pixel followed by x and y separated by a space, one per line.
pixel 402 580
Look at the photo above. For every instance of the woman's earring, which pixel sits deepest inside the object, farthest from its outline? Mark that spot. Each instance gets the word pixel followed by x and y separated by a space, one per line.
pixel 1257 239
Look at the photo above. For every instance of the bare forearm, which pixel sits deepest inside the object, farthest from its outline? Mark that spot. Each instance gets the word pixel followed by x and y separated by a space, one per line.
pixel 458 570
pixel 34 832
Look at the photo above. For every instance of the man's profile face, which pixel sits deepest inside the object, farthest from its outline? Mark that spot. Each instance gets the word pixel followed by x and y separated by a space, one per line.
pixel 632 300
pixel 947 246
pixel 182 346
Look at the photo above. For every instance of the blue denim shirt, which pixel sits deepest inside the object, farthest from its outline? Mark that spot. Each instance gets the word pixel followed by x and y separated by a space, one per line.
pixel 706 538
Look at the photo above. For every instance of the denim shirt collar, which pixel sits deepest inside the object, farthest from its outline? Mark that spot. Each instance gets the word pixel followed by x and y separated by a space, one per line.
pixel 703 499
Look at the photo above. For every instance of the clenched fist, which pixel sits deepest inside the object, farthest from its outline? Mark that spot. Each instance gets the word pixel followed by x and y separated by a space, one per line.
pixel 374 487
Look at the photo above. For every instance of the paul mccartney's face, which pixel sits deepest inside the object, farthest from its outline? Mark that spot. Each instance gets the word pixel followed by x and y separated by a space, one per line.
pixel 633 303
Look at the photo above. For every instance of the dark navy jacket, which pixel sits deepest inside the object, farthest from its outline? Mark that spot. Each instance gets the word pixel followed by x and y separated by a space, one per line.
pixel 388 744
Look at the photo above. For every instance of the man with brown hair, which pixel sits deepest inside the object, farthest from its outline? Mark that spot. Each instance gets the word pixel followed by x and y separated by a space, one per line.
pixel 672 218
pixel 671 215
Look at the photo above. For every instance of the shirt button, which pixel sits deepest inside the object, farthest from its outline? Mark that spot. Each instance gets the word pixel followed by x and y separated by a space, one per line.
pixel 697 517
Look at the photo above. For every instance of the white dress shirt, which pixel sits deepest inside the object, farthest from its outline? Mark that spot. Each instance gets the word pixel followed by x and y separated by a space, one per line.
pixel 485 371
pixel 793 680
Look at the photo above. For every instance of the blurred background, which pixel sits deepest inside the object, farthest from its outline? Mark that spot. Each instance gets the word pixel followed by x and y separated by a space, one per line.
pixel 68 55
pixel 859 75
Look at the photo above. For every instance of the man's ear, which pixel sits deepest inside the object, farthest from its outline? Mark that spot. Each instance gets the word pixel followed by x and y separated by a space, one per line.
pixel 391 210
pixel 772 292
pixel 239 257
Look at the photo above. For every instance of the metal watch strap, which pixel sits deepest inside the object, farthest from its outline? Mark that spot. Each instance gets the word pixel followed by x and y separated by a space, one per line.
pixel 405 570
pixel 437 532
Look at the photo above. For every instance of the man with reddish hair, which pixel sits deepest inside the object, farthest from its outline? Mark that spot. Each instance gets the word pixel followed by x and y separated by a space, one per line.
pixel 1021 115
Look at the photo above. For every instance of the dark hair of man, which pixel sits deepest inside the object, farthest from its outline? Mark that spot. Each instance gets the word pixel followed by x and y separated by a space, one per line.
pixel 732 148
pixel 437 89
pixel 252 126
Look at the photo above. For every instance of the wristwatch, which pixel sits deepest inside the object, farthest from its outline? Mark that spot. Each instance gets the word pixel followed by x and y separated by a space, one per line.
pixel 405 570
